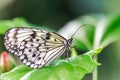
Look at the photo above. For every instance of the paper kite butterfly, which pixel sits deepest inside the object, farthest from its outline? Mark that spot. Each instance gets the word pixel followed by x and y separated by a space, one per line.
pixel 36 48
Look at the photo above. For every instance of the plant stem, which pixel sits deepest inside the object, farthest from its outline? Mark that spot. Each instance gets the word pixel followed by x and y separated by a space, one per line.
pixel 95 72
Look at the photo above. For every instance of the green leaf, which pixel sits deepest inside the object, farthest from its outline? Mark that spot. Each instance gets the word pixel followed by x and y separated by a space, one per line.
pixel 18 22
pixel 15 74
pixel 64 69
pixel 100 30
pixel 112 30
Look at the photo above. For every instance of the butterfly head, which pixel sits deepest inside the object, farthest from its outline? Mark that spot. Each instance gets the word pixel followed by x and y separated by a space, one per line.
pixel 70 41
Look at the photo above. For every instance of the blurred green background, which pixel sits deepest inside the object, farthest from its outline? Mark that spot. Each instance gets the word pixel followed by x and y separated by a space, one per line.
pixel 56 13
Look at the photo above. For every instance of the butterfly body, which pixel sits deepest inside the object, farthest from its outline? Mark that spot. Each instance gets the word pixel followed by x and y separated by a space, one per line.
pixel 36 48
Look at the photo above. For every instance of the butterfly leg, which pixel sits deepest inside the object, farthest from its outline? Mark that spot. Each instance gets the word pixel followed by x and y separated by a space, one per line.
pixel 68 55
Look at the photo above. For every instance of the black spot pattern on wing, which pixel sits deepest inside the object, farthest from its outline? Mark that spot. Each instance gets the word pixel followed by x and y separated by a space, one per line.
pixel 35 48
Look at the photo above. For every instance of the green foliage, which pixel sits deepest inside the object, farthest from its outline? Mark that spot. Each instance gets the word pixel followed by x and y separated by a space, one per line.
pixel 75 69
pixel 18 22
pixel 100 31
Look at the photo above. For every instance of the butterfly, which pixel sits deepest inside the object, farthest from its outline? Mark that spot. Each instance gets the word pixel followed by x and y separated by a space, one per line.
pixel 35 48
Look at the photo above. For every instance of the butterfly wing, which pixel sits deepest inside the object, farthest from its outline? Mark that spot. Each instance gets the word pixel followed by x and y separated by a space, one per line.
pixel 35 48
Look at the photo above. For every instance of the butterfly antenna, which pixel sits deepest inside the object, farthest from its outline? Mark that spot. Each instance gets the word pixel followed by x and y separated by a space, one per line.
pixel 77 30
